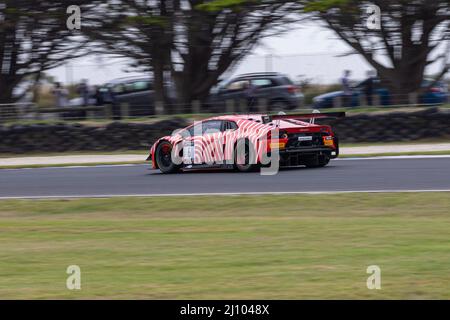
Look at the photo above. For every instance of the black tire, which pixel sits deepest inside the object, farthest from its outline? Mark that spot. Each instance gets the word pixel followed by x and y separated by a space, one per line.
pixel 250 153
pixel 163 158
pixel 318 161
pixel 336 142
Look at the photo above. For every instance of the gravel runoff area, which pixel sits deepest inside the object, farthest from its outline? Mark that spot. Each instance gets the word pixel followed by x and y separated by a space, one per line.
pixel 130 158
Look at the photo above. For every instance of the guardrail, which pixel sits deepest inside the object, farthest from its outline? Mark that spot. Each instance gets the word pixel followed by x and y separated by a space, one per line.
pixel 426 124
pixel 25 112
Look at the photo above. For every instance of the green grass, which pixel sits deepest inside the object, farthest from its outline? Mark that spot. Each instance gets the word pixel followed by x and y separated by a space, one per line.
pixel 72 153
pixel 231 247
pixel 62 165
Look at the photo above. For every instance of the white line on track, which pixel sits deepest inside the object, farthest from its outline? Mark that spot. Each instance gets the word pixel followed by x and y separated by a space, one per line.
pixel 219 194
pixel 397 157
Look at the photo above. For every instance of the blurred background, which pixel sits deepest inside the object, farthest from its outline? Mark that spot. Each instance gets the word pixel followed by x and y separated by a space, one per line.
pixel 94 83
pixel 94 63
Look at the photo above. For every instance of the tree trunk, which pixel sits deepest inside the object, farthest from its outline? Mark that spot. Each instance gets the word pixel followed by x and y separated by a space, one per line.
pixel 158 81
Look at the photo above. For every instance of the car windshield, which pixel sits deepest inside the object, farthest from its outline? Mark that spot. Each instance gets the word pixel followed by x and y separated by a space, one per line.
pixel 201 128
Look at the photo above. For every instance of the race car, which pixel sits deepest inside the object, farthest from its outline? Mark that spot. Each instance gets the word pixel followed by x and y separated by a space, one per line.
pixel 247 142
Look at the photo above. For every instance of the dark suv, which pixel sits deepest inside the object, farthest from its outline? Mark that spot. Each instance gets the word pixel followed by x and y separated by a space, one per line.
pixel 275 88
pixel 137 93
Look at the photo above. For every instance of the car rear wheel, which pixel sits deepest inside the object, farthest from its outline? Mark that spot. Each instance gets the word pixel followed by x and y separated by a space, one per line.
pixel 245 160
pixel 163 157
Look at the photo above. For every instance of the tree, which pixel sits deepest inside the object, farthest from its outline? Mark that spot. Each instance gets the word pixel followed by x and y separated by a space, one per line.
pixel 136 30
pixel 409 34
pixel 33 37
pixel 196 41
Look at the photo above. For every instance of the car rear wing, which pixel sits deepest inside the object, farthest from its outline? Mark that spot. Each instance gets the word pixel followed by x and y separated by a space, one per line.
pixel 308 116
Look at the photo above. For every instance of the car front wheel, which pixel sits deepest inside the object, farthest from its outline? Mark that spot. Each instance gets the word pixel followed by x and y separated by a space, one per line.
pixel 163 158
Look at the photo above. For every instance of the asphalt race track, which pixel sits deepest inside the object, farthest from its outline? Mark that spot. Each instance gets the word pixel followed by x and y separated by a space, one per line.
pixel 341 175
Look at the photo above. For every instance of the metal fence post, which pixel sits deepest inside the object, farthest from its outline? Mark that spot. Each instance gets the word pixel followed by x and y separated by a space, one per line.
pixel 91 114
pixel 125 110
pixel 301 103
pixel 107 110
pixel 262 105
pixel 159 108
pixel 230 106
pixel 413 98
pixel 196 107
pixel 362 100
pixel 337 102
pixel 243 105
pixel 376 100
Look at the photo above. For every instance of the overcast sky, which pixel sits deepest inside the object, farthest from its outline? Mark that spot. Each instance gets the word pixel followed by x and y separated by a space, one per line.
pixel 309 51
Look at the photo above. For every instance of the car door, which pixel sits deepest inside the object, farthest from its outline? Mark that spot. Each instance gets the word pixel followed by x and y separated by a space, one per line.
pixel 203 143
pixel 230 132
pixel 213 141
pixel 139 97
pixel 235 91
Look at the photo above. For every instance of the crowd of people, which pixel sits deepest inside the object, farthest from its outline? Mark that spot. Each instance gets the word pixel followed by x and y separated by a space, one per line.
pixel 367 87
pixel 90 95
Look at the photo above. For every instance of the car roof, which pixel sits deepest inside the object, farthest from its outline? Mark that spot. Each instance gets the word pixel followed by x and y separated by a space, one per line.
pixel 235 117
pixel 129 79
pixel 259 75
pixel 253 75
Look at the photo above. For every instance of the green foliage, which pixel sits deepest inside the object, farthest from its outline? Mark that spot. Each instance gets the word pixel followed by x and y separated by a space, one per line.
pixel 219 5
pixel 323 5
pixel 147 20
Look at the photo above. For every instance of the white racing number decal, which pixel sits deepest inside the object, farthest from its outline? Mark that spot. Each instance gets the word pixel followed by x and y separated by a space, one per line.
pixel 188 152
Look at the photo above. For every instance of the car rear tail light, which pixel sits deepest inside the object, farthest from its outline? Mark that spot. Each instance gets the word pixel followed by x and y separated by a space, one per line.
pixel 293 89
pixel 328 141
pixel 436 90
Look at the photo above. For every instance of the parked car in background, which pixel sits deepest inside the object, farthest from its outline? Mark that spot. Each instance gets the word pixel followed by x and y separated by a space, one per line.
pixel 276 88
pixel 436 94
pixel 135 92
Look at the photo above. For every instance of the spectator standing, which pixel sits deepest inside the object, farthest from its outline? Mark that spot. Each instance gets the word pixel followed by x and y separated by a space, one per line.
pixel 98 96
pixel 61 95
pixel 346 88
pixel 250 90
pixel 83 91
pixel 368 87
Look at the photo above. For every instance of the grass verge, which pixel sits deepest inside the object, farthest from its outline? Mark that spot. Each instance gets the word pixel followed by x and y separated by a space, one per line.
pixel 231 247
pixel 62 165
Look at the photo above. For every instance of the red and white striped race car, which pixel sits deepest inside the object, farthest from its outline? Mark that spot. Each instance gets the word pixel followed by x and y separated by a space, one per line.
pixel 246 142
